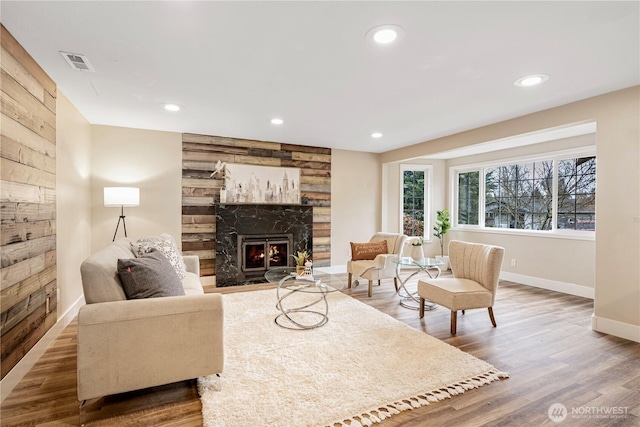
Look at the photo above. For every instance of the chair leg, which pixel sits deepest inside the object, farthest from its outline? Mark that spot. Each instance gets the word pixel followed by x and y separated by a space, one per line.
pixel 370 287
pixel 463 312
pixel 395 283
pixel 421 308
pixel 82 416
pixel 454 321
pixel 493 319
pixel 94 404
pixel 349 281
pixel 379 283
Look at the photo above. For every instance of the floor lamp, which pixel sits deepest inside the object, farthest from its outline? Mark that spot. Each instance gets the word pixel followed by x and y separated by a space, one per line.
pixel 121 197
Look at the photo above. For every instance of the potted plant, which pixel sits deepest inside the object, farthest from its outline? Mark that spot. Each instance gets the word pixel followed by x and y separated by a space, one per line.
pixel 301 258
pixel 416 248
pixel 443 225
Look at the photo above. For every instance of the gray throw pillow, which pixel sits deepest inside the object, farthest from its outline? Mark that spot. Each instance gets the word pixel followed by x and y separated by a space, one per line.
pixel 149 276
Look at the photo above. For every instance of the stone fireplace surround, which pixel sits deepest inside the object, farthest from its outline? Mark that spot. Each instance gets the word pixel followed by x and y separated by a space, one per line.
pixel 259 219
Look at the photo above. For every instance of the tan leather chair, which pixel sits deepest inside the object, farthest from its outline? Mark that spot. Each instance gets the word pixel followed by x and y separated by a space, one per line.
pixel 382 267
pixel 476 270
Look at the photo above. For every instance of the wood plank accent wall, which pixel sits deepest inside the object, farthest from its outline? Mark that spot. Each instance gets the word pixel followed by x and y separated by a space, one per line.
pixel 27 202
pixel 199 156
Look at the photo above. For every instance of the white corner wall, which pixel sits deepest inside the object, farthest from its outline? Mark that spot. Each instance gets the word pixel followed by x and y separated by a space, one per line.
pixel 73 201
pixel 150 160
pixel 355 200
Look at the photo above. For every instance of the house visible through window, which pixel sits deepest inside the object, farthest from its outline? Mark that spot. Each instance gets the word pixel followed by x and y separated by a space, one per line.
pixel 546 195
pixel 519 196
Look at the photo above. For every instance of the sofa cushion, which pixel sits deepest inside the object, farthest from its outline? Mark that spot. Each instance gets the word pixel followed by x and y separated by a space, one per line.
pixel 166 245
pixel 191 284
pixel 100 281
pixel 367 251
pixel 149 276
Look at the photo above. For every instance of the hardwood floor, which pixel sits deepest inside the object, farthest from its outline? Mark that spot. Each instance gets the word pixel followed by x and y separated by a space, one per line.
pixel 543 340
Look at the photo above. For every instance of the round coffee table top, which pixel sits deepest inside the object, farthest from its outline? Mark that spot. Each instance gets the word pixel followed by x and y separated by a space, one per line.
pixel 285 277
pixel 420 262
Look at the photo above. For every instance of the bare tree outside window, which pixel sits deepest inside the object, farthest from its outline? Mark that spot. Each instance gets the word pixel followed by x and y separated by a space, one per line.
pixel 519 196
pixel 577 194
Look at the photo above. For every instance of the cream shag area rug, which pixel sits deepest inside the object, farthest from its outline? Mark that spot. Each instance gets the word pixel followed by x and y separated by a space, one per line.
pixel 361 367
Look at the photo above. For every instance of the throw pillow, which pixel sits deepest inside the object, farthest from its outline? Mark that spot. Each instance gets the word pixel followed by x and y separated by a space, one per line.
pixel 149 276
pixel 166 245
pixel 369 250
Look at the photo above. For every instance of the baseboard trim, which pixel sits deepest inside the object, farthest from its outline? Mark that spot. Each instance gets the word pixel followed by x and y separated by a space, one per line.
pixel 15 375
pixel 613 327
pixel 552 285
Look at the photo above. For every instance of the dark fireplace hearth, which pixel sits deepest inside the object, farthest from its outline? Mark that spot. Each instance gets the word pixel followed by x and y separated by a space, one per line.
pixel 251 238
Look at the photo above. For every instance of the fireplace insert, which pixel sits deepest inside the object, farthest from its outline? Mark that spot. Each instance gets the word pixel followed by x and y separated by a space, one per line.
pixel 259 253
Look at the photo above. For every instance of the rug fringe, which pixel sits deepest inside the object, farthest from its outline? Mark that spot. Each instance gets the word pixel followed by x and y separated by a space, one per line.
pixel 374 416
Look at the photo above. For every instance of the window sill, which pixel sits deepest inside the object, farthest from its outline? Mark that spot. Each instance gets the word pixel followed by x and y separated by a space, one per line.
pixel 570 235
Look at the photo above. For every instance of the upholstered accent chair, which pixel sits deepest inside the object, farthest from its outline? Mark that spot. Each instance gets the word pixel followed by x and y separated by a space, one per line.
pixel 380 266
pixel 476 270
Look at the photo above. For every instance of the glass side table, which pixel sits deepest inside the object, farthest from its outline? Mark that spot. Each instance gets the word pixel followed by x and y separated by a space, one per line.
pixel 428 266
pixel 302 305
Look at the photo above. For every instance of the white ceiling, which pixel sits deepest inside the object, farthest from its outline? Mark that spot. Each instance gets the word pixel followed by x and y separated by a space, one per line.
pixel 235 65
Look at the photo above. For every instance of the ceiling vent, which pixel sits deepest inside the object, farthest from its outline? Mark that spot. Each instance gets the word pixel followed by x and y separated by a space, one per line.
pixel 78 62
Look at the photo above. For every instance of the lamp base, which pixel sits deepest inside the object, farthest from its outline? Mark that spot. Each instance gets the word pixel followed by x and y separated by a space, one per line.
pixel 124 224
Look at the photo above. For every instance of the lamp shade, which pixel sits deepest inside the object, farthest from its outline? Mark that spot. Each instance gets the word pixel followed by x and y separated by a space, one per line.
pixel 121 196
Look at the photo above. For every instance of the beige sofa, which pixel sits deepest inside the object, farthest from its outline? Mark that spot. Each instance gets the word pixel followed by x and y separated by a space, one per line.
pixel 126 345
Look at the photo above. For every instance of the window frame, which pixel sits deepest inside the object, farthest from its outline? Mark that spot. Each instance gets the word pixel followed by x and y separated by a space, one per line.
pixel 554 156
pixel 428 179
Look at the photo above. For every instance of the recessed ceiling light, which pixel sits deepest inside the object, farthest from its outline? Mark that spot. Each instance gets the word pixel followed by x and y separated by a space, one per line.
pixel 172 107
pixel 277 121
pixel 376 135
pixel 532 80
pixel 385 34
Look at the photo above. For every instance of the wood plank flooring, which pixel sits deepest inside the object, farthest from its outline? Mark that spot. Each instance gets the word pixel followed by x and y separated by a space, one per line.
pixel 543 340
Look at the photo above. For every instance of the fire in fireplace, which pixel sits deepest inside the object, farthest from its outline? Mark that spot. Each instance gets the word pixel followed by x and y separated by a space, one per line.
pixel 259 253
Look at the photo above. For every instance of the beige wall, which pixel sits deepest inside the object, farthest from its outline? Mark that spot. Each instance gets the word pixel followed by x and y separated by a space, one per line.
pixel 150 160
pixel 355 200
pixel 617 247
pixel 73 194
pixel 563 259
pixel 569 262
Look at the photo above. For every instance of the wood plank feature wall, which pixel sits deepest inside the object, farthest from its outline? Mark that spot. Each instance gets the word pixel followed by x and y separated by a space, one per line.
pixel 199 156
pixel 27 202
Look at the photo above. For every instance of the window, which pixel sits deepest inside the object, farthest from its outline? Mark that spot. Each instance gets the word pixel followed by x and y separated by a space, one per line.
pixel 577 194
pixel 415 214
pixel 468 196
pixel 519 196
pixel 548 194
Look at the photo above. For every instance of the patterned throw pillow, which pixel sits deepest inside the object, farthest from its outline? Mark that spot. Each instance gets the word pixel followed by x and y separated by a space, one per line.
pixel 367 251
pixel 165 244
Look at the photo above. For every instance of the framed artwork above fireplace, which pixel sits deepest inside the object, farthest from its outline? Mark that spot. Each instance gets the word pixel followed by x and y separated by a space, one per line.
pixel 261 184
